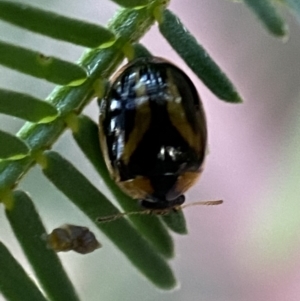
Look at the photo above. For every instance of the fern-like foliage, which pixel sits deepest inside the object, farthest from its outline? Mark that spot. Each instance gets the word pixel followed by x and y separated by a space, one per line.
pixel 47 120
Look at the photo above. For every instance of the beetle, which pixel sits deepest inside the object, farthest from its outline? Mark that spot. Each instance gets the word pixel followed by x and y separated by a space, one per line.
pixel 153 132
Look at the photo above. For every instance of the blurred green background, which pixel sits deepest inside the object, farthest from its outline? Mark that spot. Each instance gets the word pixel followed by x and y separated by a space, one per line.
pixel 248 248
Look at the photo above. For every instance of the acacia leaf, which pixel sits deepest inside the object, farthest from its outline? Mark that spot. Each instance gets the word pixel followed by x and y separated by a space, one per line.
pixel 29 229
pixel 54 25
pixel 175 221
pixel 294 6
pixel 197 58
pixel 26 107
pixel 132 3
pixel 266 11
pixel 141 51
pixel 12 147
pixel 41 66
pixel 15 284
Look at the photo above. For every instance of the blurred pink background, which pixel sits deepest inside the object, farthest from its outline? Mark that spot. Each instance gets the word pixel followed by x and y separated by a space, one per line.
pixel 248 249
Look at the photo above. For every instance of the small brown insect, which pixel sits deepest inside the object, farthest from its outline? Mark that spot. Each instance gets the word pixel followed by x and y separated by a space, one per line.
pixel 72 238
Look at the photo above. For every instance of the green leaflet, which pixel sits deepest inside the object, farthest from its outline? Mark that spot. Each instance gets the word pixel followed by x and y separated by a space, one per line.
pixel 11 147
pixel 294 6
pixel 15 284
pixel 39 65
pixel 197 58
pixel 26 107
pixel 268 15
pixel 176 222
pixel 28 228
pixel 66 29
pixel 141 51
pixel 132 3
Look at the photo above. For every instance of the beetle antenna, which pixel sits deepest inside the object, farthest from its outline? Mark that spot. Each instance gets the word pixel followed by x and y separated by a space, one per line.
pixel 113 217
pixel 205 203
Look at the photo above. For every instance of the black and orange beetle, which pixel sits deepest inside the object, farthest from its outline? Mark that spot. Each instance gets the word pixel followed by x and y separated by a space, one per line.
pixel 153 132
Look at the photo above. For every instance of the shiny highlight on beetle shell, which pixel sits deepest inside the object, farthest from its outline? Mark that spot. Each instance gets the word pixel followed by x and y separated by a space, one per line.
pixel 153 132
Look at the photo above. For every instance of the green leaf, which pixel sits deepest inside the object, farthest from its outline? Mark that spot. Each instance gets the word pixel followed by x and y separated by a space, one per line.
pixel 132 3
pixel 294 6
pixel 28 228
pixel 197 58
pixel 94 204
pixel 267 13
pixel 39 65
pixel 37 136
pixel 66 29
pixel 11 147
pixel 15 284
pixel 26 107
pixel 87 138
pixel 175 221
pixel 12 171
pixel 141 51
